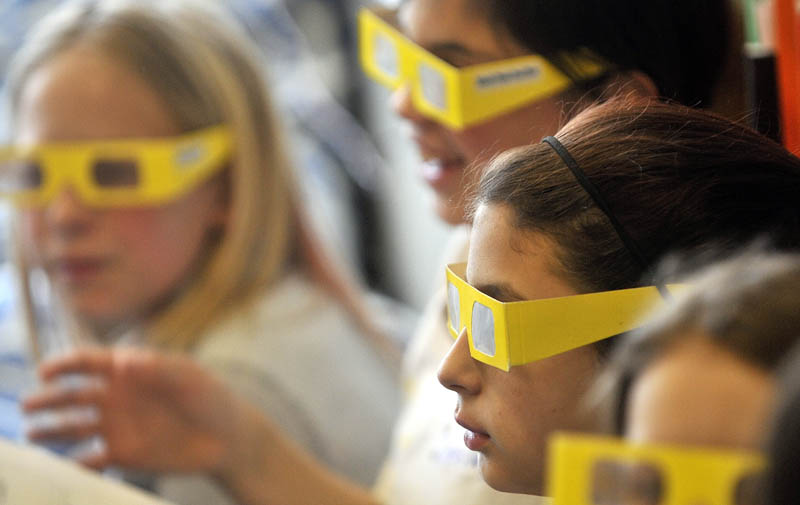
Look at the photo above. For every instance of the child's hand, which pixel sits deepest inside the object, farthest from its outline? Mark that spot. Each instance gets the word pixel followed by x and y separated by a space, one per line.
pixel 157 412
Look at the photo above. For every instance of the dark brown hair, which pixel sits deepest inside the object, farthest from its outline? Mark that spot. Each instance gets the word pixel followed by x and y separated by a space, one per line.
pixel 682 45
pixel 676 179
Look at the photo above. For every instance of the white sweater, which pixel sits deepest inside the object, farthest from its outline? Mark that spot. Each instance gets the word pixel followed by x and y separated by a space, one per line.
pixel 297 355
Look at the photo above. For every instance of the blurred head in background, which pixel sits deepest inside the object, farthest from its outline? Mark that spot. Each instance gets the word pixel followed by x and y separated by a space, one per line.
pixel 593 50
pixel 162 195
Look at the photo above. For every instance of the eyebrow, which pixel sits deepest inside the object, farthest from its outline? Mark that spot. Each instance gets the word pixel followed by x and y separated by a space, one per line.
pixel 447 50
pixel 500 292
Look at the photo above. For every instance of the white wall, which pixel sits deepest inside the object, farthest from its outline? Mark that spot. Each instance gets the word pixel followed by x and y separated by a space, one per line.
pixel 412 234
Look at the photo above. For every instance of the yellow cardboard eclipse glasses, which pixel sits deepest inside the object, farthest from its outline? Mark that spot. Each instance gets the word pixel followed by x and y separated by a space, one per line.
pixel 514 333
pixel 458 97
pixel 589 470
pixel 114 172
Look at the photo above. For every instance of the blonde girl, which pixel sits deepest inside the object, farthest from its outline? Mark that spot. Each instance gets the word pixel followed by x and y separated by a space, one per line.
pixel 154 193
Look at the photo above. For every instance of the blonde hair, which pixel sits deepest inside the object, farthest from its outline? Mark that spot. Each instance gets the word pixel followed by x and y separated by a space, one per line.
pixel 208 72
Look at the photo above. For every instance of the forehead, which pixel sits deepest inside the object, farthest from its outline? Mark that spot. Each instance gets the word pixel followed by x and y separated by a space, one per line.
pixel 699 393
pixel 83 94
pixel 435 24
pixel 500 254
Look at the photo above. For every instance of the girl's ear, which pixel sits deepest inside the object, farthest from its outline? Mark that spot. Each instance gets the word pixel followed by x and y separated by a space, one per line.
pixel 632 84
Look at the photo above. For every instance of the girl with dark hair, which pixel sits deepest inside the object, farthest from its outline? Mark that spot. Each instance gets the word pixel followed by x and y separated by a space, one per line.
pixel 589 50
pixel 592 210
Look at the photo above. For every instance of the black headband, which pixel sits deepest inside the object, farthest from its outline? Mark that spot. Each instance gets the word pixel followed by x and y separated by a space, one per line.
pixel 630 244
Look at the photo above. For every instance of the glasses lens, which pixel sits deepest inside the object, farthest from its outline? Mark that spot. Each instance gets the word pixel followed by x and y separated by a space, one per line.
pixel 20 175
pixel 116 173
pixel 453 307
pixel 483 329
pixel 617 483
pixel 750 489
pixel 433 87
pixel 386 56
pixel 190 154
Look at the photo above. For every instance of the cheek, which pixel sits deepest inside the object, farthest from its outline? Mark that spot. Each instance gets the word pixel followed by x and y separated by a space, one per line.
pixel 159 241
pixel 32 234
pixel 481 142
pixel 173 235
pixel 546 395
pixel 520 127
pixel 521 407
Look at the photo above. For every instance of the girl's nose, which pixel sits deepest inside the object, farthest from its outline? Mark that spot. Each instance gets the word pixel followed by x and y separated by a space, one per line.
pixel 458 371
pixel 66 213
pixel 403 105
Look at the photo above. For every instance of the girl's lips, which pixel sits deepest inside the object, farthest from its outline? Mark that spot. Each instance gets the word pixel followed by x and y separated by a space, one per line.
pixel 474 439
pixel 439 174
pixel 442 163
pixel 77 270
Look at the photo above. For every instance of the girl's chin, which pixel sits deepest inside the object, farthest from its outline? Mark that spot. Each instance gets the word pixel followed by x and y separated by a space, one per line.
pixel 442 175
pixel 501 479
pixel 96 315
pixel 493 476
pixel 449 213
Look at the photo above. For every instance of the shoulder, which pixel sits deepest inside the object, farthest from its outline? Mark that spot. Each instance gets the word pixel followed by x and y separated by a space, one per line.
pixel 295 334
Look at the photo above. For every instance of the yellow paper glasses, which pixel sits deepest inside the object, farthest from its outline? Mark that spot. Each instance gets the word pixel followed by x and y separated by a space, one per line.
pixel 114 172
pixel 509 334
pixel 458 97
pixel 587 470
